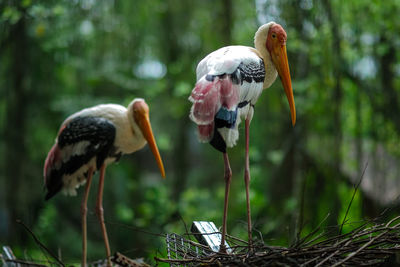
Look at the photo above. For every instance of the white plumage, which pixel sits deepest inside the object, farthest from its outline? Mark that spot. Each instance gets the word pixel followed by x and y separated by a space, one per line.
pixel 88 141
pixel 226 61
pixel 228 84
pixel 128 139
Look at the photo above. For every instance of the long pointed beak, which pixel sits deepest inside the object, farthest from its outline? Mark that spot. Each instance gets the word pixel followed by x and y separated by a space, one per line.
pixel 145 126
pixel 282 65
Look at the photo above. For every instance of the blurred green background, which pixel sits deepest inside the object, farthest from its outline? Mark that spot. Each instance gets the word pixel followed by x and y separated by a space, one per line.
pixel 57 57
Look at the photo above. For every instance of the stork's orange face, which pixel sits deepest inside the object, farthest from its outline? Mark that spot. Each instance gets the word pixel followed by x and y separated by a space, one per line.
pixel 141 117
pixel 276 45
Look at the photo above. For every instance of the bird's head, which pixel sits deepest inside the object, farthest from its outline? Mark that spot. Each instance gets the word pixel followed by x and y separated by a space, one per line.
pixel 140 111
pixel 274 40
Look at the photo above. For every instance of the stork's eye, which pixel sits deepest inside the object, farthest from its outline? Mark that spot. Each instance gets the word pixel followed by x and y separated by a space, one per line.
pixel 273 35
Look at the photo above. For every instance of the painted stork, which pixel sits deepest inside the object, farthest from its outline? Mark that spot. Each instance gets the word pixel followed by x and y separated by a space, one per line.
pixel 229 82
pixel 87 142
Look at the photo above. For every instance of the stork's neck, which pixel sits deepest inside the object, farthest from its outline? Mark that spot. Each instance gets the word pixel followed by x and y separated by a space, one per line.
pixel 260 45
pixel 133 125
pixel 270 70
pixel 136 140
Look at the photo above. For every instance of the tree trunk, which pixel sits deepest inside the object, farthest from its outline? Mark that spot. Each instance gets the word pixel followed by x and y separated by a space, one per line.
pixel 14 137
pixel 226 22
pixel 386 64
pixel 337 101
pixel 180 149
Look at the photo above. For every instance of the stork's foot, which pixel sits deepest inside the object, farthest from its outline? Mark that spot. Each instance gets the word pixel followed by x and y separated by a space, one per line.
pixel 109 262
pixel 251 249
pixel 222 249
pixel 251 245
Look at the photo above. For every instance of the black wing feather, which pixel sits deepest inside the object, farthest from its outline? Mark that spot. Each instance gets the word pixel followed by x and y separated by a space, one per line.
pixel 251 72
pixel 98 132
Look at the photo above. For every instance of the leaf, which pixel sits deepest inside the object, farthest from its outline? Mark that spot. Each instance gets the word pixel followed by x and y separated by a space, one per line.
pixel 11 14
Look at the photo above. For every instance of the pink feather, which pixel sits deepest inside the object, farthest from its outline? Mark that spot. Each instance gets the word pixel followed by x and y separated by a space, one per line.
pixel 207 98
pixel 53 157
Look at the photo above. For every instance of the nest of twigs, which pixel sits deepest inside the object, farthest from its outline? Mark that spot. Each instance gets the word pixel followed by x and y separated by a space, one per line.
pixel 371 244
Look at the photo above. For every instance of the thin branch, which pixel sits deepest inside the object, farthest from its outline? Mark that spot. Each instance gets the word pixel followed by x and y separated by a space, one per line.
pixel 367 245
pixel 361 248
pixel 352 198
pixel 27 263
pixel 312 233
pixel 184 223
pixel 40 243
pixel 131 227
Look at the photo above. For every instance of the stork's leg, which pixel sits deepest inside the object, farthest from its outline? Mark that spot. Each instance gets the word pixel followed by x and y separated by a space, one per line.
pixel 247 181
pixel 83 214
pixel 227 177
pixel 100 213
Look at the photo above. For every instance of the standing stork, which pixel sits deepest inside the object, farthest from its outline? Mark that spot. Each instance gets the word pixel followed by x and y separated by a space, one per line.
pixel 229 82
pixel 87 142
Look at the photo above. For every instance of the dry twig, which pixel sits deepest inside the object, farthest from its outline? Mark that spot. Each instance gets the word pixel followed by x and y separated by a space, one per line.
pixel 367 245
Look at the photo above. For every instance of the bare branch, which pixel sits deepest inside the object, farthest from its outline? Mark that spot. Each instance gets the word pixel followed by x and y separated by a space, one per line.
pixel 40 244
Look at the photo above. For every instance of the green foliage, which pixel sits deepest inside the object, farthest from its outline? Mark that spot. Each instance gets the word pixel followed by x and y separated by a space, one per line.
pixel 82 53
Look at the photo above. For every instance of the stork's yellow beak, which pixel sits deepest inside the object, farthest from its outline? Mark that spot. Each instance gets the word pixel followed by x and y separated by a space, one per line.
pixel 279 57
pixel 145 126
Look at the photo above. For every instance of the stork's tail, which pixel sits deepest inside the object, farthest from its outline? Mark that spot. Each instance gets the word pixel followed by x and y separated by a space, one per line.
pixel 209 95
pixel 52 182
pixel 52 158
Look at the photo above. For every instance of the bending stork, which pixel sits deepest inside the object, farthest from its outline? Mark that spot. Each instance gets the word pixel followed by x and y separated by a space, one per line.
pixel 87 142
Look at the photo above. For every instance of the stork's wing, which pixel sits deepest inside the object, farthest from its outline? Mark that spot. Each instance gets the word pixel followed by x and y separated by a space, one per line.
pixel 225 78
pixel 79 140
pixel 230 59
